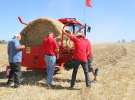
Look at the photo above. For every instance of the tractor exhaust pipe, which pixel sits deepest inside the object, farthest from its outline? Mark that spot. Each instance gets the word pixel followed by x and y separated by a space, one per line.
pixel 21 21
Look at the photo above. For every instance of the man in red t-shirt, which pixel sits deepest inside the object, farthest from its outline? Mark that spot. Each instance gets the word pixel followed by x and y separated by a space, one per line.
pixel 50 47
pixel 79 56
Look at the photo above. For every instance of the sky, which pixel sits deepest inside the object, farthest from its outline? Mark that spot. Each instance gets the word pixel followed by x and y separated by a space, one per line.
pixel 110 20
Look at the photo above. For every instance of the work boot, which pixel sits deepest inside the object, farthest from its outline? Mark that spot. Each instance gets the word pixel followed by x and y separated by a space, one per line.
pixel 71 86
pixel 9 84
pixel 16 85
pixel 88 84
pixel 50 86
pixel 22 81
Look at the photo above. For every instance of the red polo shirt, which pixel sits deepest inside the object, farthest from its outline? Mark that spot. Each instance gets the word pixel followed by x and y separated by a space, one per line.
pixel 50 46
pixel 80 48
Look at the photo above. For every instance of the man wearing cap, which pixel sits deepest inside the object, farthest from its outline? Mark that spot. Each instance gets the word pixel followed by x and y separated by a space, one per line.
pixel 50 48
pixel 15 59
pixel 79 56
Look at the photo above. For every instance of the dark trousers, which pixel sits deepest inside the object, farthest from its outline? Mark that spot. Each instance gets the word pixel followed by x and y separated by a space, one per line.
pixel 90 69
pixel 75 69
pixel 15 73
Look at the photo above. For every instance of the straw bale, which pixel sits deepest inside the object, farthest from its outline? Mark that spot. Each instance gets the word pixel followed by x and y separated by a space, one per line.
pixel 36 30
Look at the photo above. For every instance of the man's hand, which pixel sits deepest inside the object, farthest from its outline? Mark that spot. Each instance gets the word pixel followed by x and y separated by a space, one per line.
pixel 22 46
pixel 67 33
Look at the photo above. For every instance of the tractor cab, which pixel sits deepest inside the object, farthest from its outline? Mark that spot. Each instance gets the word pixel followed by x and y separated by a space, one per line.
pixel 66 47
pixel 73 25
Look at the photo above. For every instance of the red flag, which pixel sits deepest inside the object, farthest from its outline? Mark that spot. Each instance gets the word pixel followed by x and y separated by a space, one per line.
pixel 88 3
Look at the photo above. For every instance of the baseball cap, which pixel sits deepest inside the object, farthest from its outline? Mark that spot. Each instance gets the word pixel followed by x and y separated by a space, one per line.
pixel 16 35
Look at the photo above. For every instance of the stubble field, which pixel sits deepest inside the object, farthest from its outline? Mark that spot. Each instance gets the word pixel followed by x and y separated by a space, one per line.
pixel 115 81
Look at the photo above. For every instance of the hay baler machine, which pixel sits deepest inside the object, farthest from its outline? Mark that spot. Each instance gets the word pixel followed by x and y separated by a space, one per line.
pixel 35 31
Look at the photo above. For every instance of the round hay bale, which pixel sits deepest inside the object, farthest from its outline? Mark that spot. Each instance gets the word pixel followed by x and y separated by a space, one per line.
pixel 36 30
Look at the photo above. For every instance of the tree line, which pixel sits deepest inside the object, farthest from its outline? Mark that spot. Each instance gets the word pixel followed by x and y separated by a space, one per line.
pixel 3 41
pixel 124 41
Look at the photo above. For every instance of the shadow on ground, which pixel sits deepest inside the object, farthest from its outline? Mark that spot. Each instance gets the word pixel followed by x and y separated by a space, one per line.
pixel 33 78
pixel 29 77
pixel 66 80
pixel 2 75
pixel 58 87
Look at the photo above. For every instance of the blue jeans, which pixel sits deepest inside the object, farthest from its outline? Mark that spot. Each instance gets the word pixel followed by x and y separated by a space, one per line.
pixel 50 62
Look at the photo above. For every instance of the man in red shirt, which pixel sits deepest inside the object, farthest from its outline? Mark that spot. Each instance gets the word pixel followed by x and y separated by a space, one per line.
pixel 79 56
pixel 50 48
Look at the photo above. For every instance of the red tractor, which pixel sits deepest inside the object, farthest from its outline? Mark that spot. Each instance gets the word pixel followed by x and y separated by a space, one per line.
pixel 33 57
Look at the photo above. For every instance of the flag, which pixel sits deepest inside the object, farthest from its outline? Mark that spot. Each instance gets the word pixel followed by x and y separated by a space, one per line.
pixel 88 3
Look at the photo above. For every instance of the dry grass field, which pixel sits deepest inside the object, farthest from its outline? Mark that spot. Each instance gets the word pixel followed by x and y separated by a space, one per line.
pixel 115 81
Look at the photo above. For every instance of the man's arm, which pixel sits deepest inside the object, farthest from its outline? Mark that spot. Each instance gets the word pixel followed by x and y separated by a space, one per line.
pixel 70 35
pixel 67 33
pixel 90 52
pixel 18 46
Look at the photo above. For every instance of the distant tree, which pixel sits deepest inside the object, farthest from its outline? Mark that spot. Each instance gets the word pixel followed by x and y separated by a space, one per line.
pixel 132 41
pixel 123 41
pixel 118 41
pixel 3 42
